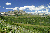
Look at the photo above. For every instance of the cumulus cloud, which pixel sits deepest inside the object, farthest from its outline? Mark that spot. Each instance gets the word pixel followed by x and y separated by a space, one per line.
pixel 23 8
pixel 39 8
pixel 15 8
pixel 43 11
pixel 36 9
pixel 8 3
pixel 29 8
pixel 30 12
pixel 32 8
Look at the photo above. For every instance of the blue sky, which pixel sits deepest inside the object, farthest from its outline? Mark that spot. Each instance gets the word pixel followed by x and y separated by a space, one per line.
pixel 21 3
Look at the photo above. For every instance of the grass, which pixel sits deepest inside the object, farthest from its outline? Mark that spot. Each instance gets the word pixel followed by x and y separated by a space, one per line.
pixel 30 25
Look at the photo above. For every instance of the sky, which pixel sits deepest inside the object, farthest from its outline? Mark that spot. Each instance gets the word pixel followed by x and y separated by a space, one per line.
pixel 24 5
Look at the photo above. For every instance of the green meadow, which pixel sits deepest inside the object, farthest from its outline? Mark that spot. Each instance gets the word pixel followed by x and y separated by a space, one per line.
pixel 24 24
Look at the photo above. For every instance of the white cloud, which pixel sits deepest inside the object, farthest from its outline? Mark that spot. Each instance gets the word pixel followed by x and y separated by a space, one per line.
pixel 49 3
pixel 30 12
pixel 32 8
pixel 13 8
pixel 9 8
pixel 22 8
pixel 35 11
pixel 3 7
pixel 29 8
pixel 49 12
pixel 48 6
pixel 0 6
pixel 8 3
pixel 39 11
pixel 43 11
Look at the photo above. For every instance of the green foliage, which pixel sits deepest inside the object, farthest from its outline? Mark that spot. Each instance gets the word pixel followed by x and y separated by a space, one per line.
pixel 29 20
pixel 41 21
